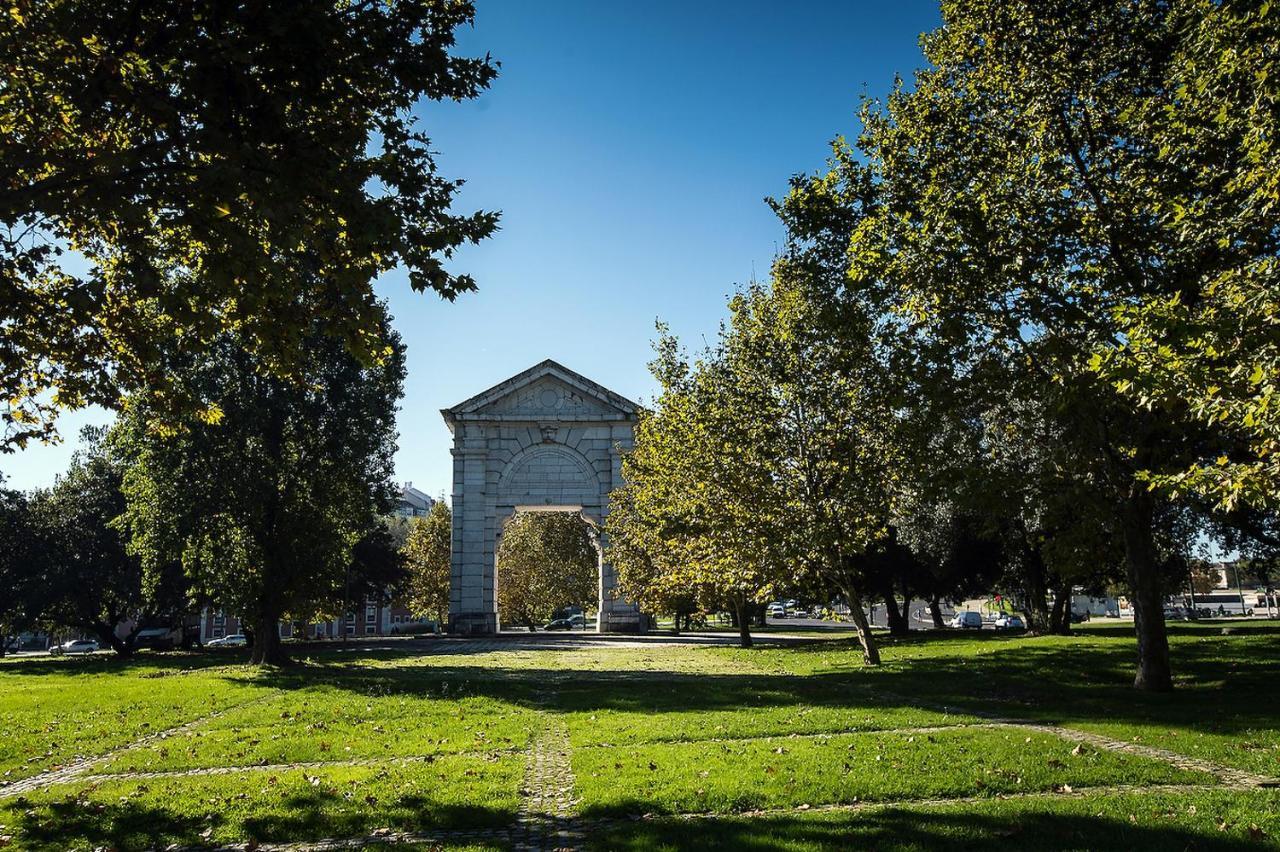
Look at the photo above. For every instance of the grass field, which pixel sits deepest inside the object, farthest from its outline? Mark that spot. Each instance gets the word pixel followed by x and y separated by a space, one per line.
pixel 958 741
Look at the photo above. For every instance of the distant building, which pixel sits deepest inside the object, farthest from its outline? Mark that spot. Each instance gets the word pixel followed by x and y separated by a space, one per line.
pixel 413 503
pixel 373 619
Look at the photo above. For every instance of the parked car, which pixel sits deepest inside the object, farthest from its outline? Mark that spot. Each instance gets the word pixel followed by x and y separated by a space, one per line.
pixel 231 640
pixel 577 621
pixel 800 612
pixel 75 646
pixel 968 620
pixel 559 624
pixel 776 610
pixel 1004 621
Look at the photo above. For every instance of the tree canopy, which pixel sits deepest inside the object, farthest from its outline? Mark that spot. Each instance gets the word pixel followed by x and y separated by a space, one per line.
pixel 1012 209
pixel 265 508
pixel 427 553
pixel 174 172
pixel 546 561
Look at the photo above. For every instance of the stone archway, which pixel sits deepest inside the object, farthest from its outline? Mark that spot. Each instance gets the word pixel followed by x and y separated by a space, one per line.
pixel 546 439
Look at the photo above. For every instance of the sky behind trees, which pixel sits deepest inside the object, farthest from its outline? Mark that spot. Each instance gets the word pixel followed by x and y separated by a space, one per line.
pixel 629 147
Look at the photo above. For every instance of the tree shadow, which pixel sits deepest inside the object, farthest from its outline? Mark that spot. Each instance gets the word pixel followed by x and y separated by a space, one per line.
pixel 144 663
pixel 1028 827
pixel 83 822
pixel 1223 689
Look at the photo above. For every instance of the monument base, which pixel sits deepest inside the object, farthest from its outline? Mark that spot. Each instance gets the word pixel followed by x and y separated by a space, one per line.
pixel 473 623
pixel 625 622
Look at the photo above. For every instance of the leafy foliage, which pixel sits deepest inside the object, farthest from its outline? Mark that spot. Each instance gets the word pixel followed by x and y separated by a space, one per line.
pixel 264 509
pixel 546 561
pixel 20 563
pixel 177 171
pixel 426 553
pixel 1013 210
pixel 1208 337
pixel 87 579
pixel 699 513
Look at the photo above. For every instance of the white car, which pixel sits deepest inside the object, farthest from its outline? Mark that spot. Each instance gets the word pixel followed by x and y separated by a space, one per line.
pixel 1005 621
pixel 75 646
pixel 968 619
pixel 776 610
pixel 231 640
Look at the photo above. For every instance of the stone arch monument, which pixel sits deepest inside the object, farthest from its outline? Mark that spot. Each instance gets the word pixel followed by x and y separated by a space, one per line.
pixel 547 439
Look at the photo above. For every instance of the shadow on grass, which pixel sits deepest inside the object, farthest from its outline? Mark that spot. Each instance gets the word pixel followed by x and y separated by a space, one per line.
pixel 143 663
pixel 73 823
pixel 1206 626
pixel 1028 828
pixel 1226 684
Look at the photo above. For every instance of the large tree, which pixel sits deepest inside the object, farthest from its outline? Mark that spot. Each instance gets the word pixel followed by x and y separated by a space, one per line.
pixel 699 493
pixel 826 426
pixel 21 559
pixel 173 171
pixel 427 553
pixel 87 579
pixel 546 561
pixel 1205 333
pixel 266 507
pixel 1016 217
pixel 647 567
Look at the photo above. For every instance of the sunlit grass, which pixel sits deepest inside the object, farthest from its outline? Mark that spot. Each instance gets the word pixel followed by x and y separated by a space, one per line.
pixel 435 738
pixel 789 771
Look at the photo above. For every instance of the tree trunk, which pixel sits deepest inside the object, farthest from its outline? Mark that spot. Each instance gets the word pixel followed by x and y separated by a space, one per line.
pixel 1147 592
pixel 896 618
pixel 935 612
pixel 1060 617
pixel 1035 600
pixel 758 615
pixel 267 648
pixel 740 608
pixel 107 638
pixel 870 653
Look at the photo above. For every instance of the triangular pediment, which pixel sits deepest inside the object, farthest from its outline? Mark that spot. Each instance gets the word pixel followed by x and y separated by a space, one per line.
pixel 545 392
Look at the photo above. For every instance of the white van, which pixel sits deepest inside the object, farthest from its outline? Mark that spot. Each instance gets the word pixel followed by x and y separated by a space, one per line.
pixel 968 619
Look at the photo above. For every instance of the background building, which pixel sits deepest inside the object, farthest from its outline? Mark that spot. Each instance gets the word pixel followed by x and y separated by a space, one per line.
pixel 412 502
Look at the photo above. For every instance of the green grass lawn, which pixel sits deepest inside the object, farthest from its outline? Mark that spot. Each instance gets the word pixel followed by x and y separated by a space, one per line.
pixel 671 747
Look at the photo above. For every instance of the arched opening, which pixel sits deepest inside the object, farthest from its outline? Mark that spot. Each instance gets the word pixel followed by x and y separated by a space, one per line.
pixel 548 569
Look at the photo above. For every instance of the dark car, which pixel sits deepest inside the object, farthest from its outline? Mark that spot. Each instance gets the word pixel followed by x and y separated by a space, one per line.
pixel 559 624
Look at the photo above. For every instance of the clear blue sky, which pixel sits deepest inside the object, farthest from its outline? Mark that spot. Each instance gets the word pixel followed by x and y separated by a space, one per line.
pixel 629 147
